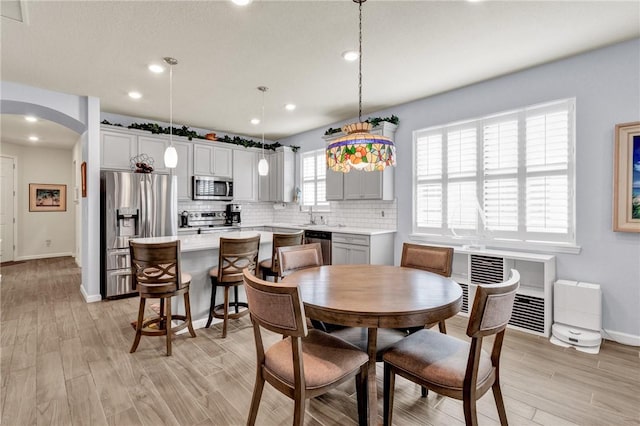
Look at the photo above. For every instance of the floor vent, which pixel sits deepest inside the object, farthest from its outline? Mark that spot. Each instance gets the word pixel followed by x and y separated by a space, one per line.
pixel 465 298
pixel 486 269
pixel 528 313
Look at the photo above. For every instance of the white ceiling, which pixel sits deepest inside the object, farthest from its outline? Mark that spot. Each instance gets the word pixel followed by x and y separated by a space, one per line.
pixel 16 130
pixel 411 49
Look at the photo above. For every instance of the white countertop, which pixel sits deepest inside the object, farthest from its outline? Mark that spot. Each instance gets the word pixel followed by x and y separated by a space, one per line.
pixel 206 241
pixel 327 228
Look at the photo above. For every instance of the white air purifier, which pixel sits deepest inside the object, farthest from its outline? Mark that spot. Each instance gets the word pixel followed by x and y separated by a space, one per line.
pixel 577 316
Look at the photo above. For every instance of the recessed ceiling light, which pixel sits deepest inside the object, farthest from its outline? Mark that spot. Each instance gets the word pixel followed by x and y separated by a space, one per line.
pixel 155 68
pixel 255 121
pixel 135 95
pixel 241 2
pixel 34 138
pixel 30 118
pixel 350 55
pixel 289 107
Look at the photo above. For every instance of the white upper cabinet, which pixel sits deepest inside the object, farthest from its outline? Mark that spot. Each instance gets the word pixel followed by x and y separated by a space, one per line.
pixel 359 185
pixel 279 184
pixel 212 161
pixel 154 147
pixel 245 175
pixel 116 150
pixel 184 169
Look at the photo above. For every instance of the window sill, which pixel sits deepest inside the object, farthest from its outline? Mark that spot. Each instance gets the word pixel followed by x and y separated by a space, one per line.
pixel 553 248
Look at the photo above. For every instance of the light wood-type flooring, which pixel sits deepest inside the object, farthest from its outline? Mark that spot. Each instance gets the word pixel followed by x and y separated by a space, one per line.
pixel 66 362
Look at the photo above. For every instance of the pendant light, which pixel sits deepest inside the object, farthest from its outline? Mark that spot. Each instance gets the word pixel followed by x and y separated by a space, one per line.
pixel 263 165
pixel 170 154
pixel 360 149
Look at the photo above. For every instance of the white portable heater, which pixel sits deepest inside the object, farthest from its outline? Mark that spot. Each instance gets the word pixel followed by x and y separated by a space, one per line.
pixel 577 315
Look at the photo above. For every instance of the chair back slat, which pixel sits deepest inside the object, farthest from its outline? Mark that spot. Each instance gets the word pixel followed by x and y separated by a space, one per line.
pixel 156 264
pixel 294 258
pixel 235 255
pixel 492 307
pixel 284 240
pixel 275 306
pixel 427 258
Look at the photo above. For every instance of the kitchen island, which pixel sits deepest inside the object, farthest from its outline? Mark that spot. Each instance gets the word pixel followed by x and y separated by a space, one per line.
pixel 198 254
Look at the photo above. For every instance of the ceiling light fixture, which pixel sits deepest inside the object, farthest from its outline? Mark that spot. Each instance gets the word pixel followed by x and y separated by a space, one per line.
pixel 170 154
pixel 135 95
pixel 156 69
pixel 241 2
pixel 34 138
pixel 263 165
pixel 30 118
pixel 290 107
pixel 255 121
pixel 350 55
pixel 360 149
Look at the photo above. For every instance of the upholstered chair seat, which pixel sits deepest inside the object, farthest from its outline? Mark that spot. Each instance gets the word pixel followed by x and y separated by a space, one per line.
pixel 326 359
pixel 444 367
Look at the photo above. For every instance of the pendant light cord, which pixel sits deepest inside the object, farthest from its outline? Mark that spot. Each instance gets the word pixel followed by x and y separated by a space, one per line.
pixel 262 122
pixel 360 64
pixel 171 104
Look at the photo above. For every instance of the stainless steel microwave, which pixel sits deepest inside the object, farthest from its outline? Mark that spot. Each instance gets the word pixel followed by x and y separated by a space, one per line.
pixel 212 188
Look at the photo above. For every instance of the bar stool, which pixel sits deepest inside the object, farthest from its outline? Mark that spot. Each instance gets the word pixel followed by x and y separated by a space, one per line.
pixel 235 254
pixel 270 267
pixel 156 274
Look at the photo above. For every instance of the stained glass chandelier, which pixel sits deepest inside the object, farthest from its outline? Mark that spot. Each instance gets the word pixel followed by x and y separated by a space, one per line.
pixel 359 148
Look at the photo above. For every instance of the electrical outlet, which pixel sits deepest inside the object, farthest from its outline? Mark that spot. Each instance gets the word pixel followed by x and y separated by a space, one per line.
pixel 48 243
pixel 382 213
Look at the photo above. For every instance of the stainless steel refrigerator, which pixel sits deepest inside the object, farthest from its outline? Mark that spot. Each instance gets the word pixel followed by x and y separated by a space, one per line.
pixel 132 205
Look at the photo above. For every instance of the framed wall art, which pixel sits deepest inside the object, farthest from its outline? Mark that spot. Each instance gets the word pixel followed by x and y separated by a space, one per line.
pixel 83 177
pixel 45 197
pixel 626 178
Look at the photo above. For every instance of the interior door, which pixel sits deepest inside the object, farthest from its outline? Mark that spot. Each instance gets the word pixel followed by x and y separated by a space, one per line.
pixel 7 200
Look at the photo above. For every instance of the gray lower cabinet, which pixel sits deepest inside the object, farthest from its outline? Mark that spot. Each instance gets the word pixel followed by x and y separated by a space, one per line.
pixel 351 249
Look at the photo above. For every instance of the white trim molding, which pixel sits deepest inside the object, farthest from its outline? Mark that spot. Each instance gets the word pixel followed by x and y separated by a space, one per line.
pixel 44 256
pixel 90 298
pixel 622 338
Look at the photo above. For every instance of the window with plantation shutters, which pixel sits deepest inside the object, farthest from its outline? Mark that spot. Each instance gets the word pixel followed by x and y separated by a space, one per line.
pixel 314 173
pixel 499 179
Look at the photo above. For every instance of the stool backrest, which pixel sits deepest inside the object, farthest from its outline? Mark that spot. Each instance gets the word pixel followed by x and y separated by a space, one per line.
pixel 235 255
pixel 156 265
pixel 284 240
pixel 428 258
pixel 293 258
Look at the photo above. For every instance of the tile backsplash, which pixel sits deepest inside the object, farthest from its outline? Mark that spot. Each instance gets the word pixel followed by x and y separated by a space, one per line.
pixel 358 214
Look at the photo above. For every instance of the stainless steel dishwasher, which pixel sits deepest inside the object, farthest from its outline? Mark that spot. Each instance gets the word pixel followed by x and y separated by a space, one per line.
pixel 322 237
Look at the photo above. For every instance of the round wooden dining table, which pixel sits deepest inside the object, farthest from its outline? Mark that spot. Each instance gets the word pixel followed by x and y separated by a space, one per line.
pixel 376 296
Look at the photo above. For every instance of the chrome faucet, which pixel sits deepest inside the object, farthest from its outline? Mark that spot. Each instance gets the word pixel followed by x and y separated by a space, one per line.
pixel 312 220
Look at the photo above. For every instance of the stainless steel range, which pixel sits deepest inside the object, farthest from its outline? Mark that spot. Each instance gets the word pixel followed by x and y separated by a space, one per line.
pixel 207 222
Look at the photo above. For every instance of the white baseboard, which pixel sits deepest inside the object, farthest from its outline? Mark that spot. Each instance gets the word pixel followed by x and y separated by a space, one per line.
pixel 90 298
pixel 44 256
pixel 622 338
pixel 201 323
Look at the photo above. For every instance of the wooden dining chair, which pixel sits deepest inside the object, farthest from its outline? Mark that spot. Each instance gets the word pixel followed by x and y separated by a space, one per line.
pixel 271 267
pixel 453 367
pixel 234 255
pixel 306 362
pixel 156 274
pixel 431 259
pixel 294 258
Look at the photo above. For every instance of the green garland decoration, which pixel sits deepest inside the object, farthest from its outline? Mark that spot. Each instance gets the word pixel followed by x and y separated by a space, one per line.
pixel 184 131
pixel 374 122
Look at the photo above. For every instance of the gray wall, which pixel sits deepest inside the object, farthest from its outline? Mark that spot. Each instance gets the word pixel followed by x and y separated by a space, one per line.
pixel 606 85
